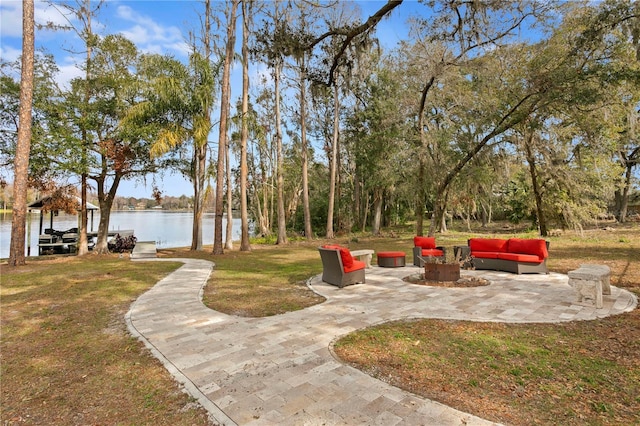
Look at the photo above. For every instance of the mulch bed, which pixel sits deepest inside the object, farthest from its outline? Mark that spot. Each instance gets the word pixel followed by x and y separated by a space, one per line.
pixel 461 283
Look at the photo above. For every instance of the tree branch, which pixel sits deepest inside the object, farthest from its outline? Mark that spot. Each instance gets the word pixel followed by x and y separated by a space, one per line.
pixel 353 33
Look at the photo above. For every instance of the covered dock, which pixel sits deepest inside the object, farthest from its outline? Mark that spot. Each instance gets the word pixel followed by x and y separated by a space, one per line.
pixel 52 241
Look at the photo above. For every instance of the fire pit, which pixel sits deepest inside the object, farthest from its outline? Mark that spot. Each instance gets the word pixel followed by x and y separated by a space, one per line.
pixel 441 271
pixel 459 283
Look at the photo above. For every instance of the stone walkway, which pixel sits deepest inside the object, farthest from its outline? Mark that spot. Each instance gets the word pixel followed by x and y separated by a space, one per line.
pixel 280 369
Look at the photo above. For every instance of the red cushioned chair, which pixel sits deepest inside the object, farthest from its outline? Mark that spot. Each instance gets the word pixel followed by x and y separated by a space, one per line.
pixel 425 247
pixel 339 267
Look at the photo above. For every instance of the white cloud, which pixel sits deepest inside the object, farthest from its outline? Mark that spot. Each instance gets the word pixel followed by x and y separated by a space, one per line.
pixel 10 19
pixel 137 34
pixel 46 14
pixel 261 74
pixel 67 72
pixel 149 35
pixel 9 54
pixel 180 47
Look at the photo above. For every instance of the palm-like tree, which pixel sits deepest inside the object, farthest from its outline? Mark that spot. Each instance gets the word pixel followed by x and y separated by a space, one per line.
pixel 179 103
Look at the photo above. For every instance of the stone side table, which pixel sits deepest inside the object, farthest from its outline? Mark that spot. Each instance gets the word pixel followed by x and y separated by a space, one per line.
pixel 364 255
pixel 591 282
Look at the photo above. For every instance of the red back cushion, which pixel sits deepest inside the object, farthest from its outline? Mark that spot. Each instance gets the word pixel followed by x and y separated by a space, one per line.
pixel 425 242
pixel 536 247
pixel 488 244
pixel 345 254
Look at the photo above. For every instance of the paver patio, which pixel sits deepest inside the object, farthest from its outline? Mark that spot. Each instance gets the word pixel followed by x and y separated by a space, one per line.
pixel 280 369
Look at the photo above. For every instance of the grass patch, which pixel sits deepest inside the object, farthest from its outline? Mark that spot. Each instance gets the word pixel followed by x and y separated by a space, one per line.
pixel 574 373
pixel 271 280
pixel 267 281
pixel 67 357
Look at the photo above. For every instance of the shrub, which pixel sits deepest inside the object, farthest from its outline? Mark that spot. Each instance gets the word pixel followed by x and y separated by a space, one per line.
pixel 121 244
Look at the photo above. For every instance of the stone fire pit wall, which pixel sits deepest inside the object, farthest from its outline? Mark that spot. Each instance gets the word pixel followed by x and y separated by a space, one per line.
pixel 441 271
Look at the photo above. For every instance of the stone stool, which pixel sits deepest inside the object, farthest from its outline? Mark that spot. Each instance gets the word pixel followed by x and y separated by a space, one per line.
pixel 591 282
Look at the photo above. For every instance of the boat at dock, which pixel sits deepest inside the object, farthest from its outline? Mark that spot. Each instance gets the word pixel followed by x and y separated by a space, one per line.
pixel 60 242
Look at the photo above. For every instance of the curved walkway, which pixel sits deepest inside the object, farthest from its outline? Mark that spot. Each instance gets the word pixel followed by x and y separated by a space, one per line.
pixel 280 370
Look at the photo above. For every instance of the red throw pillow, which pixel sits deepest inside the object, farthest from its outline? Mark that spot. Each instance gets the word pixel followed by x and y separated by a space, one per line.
pixel 345 254
pixel 425 242
pixel 536 247
pixel 347 259
pixel 488 244
pixel 432 252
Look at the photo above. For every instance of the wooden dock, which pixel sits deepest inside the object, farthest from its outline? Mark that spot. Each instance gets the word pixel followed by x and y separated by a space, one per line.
pixel 144 250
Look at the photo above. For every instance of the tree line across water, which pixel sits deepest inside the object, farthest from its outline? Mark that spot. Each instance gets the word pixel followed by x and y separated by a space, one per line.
pixel 525 110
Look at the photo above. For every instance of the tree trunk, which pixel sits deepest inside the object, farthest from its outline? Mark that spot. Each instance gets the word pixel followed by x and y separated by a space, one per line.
pixel 623 205
pixel 83 246
pixel 83 242
pixel 244 217
pixel 265 201
pixel 467 219
pixel 542 221
pixel 308 232
pixel 422 202
pixel 228 244
pixel 282 220
pixel 422 165
pixel 357 199
pixel 484 215
pixel 105 201
pixel 260 200
pixel 333 162
pixel 224 116
pixel 262 195
pixel 439 209
pixel 102 246
pixel 200 150
pixel 377 211
pixel 365 214
pixel 23 147
pixel 292 207
pixel 200 164
pixel 340 225
pixel 443 224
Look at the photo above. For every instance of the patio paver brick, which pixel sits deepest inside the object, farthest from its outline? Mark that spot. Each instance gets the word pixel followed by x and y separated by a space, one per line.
pixel 280 370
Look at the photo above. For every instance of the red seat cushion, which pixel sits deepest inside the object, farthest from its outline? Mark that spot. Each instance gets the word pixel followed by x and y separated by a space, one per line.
pixel 485 254
pixel 391 254
pixel 345 255
pixel 425 242
pixel 431 252
pixel 537 247
pixel 488 245
pixel 517 257
pixel 356 266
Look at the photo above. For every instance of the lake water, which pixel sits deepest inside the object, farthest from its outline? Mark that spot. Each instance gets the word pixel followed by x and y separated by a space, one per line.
pixel 167 229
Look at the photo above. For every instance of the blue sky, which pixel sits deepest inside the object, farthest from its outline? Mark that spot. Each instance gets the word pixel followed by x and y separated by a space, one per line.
pixel 154 26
